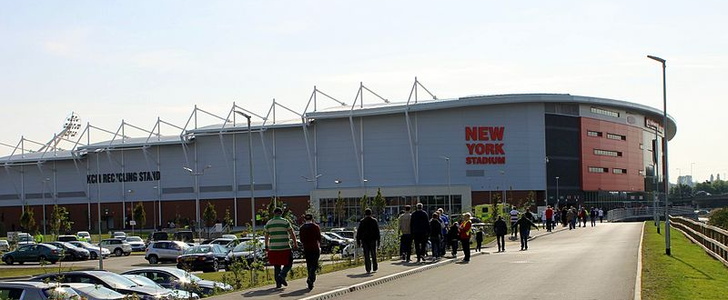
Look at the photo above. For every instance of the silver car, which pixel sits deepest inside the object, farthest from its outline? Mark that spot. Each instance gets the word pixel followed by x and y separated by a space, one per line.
pixel 116 246
pixel 94 291
pixel 36 290
pixel 92 249
pixel 177 294
pixel 171 277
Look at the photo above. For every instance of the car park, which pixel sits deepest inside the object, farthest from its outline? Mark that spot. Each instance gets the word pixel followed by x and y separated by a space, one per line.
pixel 164 251
pixel 4 245
pixel 25 239
pixel 207 258
pixel 249 251
pixel 136 242
pixel 70 251
pixel 33 253
pixel 93 250
pixel 117 246
pixel 229 236
pixel 170 277
pixel 107 279
pixel 175 293
pixel 331 242
pixel 36 291
pixel 225 242
pixel 158 236
pixel 185 236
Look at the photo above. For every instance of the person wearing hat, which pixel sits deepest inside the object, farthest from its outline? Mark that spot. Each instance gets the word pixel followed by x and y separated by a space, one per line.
pixel 278 237
pixel 310 234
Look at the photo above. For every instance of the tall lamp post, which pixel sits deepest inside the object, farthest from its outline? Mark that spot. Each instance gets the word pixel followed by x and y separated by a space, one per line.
pixel 558 200
pixel 546 190
pixel 132 222
pixel 197 174
pixel 250 169
pixel 42 193
pixel 449 191
pixel 666 177
pixel 157 209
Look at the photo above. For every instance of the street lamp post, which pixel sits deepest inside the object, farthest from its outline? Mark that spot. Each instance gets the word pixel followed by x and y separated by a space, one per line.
pixel 132 222
pixel 558 200
pixel 666 177
pixel 250 169
pixel 505 210
pixel 197 174
pixel 157 209
pixel 42 192
pixel 546 189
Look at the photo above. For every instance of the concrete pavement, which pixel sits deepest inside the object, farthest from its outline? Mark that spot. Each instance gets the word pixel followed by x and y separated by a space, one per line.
pixel 338 283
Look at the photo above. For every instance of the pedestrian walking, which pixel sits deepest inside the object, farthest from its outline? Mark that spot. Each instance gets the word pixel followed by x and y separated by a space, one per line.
pixel 600 212
pixel 571 218
pixel 593 216
pixel 367 236
pixel 548 214
pixel 478 239
pixel 278 238
pixel 435 235
pixel 464 231
pixel 514 218
pixel 405 238
pixel 500 229
pixel 453 236
pixel 310 235
pixel 445 225
pixel 420 228
pixel 524 227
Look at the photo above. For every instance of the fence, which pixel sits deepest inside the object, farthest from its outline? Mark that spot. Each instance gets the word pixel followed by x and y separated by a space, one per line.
pixel 640 213
pixel 714 240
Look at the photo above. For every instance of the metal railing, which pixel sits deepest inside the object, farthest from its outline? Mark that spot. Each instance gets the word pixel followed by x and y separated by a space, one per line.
pixel 714 240
pixel 641 213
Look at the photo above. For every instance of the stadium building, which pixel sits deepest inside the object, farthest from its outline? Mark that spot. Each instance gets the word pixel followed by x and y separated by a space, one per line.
pixel 519 149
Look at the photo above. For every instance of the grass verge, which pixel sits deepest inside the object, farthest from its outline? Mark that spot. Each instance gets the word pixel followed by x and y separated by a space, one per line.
pixel 689 273
pixel 20 272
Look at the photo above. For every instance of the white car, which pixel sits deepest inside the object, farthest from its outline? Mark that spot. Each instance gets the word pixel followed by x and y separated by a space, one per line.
pixel 36 290
pixel 136 242
pixel 84 236
pixel 4 245
pixel 92 249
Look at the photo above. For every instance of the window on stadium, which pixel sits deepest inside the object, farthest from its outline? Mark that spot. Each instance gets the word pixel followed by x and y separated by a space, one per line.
pixel 598 170
pixel 619 137
pixel 593 133
pixel 605 112
pixel 607 153
pixel 619 171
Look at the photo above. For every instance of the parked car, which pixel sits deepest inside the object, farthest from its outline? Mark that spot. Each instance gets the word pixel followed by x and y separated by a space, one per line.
pixel 17 290
pixel 136 242
pixel 93 250
pixel 66 238
pixel 185 236
pixel 4 245
pixel 207 258
pixel 229 244
pixel 176 294
pixel 339 236
pixel 170 277
pixel 33 253
pixel 94 292
pixel 229 236
pixel 71 252
pixel 116 246
pixel 164 251
pixel 329 242
pixel 83 236
pixel 107 279
pixel 119 235
pixel 25 239
pixel 248 250
pixel 158 236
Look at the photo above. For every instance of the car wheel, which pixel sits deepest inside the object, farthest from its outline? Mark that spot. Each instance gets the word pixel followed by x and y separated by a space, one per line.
pixel 93 255
pixel 9 260
pixel 41 259
pixel 118 252
pixel 215 266
pixel 127 253
pixel 153 259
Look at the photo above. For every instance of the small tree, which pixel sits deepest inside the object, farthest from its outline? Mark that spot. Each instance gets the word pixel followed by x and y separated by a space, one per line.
pixel 364 203
pixel 228 220
pixel 379 203
pixel 27 219
pixel 209 215
pixel 719 218
pixel 139 215
pixel 59 220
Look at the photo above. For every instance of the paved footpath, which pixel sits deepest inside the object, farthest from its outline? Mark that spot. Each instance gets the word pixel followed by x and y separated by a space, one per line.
pixel 338 283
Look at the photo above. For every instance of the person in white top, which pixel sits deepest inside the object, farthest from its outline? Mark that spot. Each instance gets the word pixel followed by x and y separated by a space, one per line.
pixel 601 215
pixel 514 219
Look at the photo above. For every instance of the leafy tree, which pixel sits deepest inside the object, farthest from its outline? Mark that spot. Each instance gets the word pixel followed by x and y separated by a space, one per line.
pixel 210 214
pixel 228 220
pixel 139 215
pixel 379 203
pixel 59 220
pixel 364 202
pixel 27 219
pixel 719 218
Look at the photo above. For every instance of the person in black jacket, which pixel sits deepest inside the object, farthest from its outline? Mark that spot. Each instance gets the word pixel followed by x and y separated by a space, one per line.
pixel 501 229
pixel 435 235
pixel 524 227
pixel 453 237
pixel 367 236
pixel 420 229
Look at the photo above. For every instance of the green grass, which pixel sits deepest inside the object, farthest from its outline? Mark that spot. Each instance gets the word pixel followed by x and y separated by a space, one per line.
pixel 20 272
pixel 689 273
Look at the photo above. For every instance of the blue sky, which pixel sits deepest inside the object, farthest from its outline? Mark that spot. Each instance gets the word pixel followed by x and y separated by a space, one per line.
pixel 135 61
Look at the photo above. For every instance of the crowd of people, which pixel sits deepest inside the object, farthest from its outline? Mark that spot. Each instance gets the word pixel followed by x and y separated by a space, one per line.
pixel 415 227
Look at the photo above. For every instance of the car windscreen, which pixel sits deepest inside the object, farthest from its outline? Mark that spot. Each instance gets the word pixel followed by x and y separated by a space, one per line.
pixel 247 246
pixel 117 281
pixel 198 249
pixel 60 293
pixel 97 292
pixel 133 239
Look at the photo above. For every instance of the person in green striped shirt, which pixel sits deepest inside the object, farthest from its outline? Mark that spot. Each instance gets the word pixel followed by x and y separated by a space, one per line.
pixel 278 237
